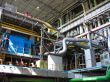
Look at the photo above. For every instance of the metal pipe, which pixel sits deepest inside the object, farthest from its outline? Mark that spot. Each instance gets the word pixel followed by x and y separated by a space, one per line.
pixel 46 24
pixel 96 78
pixel 64 45
pixel 79 45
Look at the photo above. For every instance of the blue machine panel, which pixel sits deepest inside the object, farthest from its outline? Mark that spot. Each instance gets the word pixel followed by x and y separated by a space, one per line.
pixel 19 44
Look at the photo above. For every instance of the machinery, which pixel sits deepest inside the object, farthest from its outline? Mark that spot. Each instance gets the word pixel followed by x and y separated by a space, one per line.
pixel 36 50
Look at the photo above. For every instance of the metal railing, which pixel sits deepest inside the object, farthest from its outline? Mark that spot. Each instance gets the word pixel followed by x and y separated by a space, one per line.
pixel 18 50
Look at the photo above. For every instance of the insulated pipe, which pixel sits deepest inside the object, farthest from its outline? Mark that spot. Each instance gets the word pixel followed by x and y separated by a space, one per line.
pixel 96 78
pixel 64 42
pixel 46 24
pixel 79 45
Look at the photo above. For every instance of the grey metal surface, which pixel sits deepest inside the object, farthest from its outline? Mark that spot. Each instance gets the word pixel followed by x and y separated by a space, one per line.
pixel 31 71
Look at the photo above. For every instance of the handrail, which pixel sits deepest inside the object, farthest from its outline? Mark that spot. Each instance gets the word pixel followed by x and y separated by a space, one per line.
pixel 96 78
pixel 19 29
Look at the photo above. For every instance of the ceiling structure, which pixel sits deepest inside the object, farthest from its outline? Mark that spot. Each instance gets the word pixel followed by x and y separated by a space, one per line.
pixel 42 9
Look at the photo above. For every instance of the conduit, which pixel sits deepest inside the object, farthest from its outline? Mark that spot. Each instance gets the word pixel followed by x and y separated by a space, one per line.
pixel 96 78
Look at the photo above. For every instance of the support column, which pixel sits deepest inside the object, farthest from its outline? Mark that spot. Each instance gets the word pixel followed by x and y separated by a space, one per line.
pixel 60 20
pixel 0 28
pixel 90 4
pixel 98 20
pixel 95 3
pixel 88 58
pixel 95 23
pixel 108 29
pixel 32 50
pixel 85 5
pixel 109 43
pixel 89 53
pixel 109 16
pixel 81 29
pixel 0 12
pixel 41 45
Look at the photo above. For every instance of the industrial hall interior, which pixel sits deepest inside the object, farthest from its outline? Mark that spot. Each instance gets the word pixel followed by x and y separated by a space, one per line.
pixel 54 40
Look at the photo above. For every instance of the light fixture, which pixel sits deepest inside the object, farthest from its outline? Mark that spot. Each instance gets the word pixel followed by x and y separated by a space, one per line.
pixel 37 8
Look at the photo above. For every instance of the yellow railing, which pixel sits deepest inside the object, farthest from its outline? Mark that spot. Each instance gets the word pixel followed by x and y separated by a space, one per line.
pixel 19 29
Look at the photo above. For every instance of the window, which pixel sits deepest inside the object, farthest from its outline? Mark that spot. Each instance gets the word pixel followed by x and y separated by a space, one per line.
pixel 56 23
pixel 99 1
pixel 71 14
pixel 78 9
pixel 66 18
pixel 93 2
